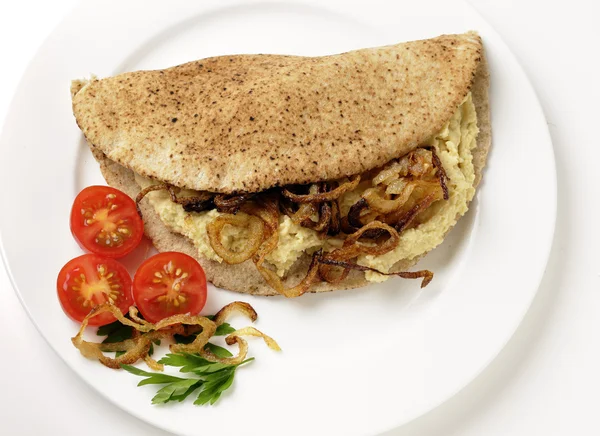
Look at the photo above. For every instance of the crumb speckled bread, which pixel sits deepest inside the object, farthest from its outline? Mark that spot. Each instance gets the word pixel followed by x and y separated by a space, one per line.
pixel 245 277
pixel 250 122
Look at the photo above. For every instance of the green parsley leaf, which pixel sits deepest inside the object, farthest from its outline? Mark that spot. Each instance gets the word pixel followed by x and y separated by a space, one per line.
pixel 192 363
pixel 218 351
pixel 153 378
pixel 186 394
pixel 177 389
pixel 224 329
pixel 214 385
pixel 187 362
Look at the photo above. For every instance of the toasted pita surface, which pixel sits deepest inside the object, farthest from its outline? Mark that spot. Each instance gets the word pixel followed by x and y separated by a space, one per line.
pixel 249 122
pixel 244 277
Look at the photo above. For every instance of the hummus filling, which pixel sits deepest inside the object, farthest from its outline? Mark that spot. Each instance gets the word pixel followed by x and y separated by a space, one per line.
pixel 453 145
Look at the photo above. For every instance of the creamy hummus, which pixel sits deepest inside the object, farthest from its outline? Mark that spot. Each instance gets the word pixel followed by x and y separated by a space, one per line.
pixel 454 145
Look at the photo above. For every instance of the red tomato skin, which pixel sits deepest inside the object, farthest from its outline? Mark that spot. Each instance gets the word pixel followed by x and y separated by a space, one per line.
pixel 86 236
pixel 87 265
pixel 148 288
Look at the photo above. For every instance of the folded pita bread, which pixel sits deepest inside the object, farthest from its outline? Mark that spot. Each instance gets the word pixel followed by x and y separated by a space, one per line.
pixel 248 123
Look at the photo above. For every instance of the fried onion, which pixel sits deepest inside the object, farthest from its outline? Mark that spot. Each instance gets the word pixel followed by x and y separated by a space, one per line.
pixel 377 202
pixel 255 229
pixel 251 331
pixel 304 285
pixel 440 172
pixel 335 225
pixel 235 360
pixel 196 203
pixel 353 248
pixel 138 347
pixel 322 225
pixel 145 191
pixel 407 218
pixel 304 213
pixel 426 275
pixel 400 192
pixel 236 306
pixel 236 338
pixel 208 329
pixel 325 196
pixel 352 222
pixel 134 349
pixel 269 213
pixel 328 221
pixel 231 203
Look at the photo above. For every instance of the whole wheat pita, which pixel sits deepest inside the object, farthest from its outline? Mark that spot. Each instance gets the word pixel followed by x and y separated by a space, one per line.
pixel 116 144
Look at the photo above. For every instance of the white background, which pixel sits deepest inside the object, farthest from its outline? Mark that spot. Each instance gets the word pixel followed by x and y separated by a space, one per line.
pixel 545 381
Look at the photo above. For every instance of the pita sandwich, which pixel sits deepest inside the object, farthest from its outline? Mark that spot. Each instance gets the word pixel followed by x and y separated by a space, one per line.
pixel 288 174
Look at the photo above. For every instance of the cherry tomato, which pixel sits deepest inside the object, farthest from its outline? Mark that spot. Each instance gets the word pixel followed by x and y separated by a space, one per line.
pixel 167 284
pixel 105 221
pixel 90 280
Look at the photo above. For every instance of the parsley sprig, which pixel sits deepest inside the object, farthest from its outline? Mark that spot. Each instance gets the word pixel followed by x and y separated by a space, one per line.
pixel 211 378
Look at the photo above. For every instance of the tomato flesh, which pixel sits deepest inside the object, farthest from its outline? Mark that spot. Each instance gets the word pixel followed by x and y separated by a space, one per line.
pixel 90 280
pixel 167 284
pixel 105 221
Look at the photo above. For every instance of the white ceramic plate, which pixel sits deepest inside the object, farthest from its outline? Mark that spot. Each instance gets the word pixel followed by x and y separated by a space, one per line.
pixel 354 363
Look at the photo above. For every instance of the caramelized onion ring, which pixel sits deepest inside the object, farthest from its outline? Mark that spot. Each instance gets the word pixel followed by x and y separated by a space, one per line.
pixel 236 306
pixel 145 192
pixel 276 283
pixel 134 349
pixel 378 203
pixel 440 172
pixel 268 211
pixel 235 360
pixel 304 213
pixel 231 203
pixel 352 248
pixel 251 331
pixel 153 364
pixel 208 330
pixel 255 228
pixel 133 314
pixel 335 226
pixel 406 219
pixel 325 196
pixel 426 275
pixel 377 250
pixel 322 225
pixel 354 214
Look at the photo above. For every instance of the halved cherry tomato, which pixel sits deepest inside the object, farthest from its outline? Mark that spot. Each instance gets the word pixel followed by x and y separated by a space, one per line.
pixel 90 280
pixel 167 284
pixel 105 221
